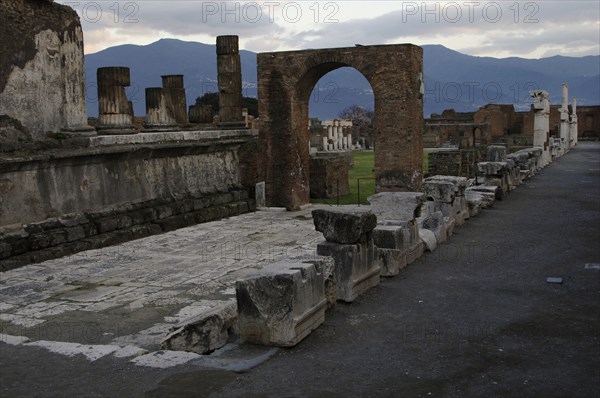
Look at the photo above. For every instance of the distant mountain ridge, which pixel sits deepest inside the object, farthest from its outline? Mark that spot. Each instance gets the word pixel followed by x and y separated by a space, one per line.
pixel 452 79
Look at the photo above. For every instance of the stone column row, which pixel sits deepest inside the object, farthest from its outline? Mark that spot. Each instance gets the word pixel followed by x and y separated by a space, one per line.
pixel 338 138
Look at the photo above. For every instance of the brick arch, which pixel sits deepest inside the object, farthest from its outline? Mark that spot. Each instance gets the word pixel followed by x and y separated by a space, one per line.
pixel 285 82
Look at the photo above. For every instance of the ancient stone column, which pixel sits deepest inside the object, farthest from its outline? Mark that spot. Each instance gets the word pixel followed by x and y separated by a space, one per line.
pixel 325 144
pixel 564 120
pixel 156 109
pixel 115 111
pixel 573 126
pixel 201 113
pixel 541 124
pixel 174 93
pixel 229 71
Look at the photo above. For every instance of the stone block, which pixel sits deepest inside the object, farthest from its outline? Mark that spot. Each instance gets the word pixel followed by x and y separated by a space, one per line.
pixel 75 233
pixel 260 194
pixel 5 249
pixel 204 332
pixel 492 168
pixel 107 224
pixel 281 304
pixel 434 222
pixel 414 252
pixel 496 153
pixel 403 206
pixel 439 191
pixel 390 261
pixel 39 241
pixel 428 238
pixel 344 226
pixel 389 237
pixel 460 183
pixel 355 268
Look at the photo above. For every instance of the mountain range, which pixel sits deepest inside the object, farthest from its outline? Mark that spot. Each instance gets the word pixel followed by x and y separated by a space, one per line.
pixel 452 80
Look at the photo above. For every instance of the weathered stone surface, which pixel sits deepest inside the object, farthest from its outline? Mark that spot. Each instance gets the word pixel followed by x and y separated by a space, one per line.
pixel 439 191
pixel 492 168
pixel 390 261
pixel 286 78
pixel 356 270
pixel 329 174
pixel 428 238
pixel 259 193
pixel 434 221
pixel 460 183
pixel 389 237
pixel 496 153
pixel 204 332
pixel 401 206
pixel 281 304
pixel 42 85
pixel 344 226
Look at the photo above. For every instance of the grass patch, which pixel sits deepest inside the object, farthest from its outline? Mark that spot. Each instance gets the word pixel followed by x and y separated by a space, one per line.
pixel 363 170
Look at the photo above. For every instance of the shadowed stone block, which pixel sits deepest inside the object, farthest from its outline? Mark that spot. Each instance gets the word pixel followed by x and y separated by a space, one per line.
pixel 390 261
pixel 496 153
pixel 428 238
pixel 439 191
pixel 402 206
pixel 259 193
pixel 205 332
pixel 355 268
pixel 434 221
pixel 344 226
pixel 492 168
pixel 281 304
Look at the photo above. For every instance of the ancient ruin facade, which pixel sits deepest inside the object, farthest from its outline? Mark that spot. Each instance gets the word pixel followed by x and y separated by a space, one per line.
pixel 285 82
pixel 42 85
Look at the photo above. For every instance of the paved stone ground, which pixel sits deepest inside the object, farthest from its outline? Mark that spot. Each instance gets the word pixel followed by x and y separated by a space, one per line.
pixel 135 292
pixel 476 318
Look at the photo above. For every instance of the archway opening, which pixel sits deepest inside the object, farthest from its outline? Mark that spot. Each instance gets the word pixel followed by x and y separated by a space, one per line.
pixel 340 127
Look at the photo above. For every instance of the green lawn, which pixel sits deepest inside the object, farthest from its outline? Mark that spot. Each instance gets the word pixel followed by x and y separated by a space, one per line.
pixel 362 174
pixel 363 170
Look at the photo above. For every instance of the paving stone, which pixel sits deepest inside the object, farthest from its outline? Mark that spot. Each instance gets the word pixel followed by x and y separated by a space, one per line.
pixel 204 332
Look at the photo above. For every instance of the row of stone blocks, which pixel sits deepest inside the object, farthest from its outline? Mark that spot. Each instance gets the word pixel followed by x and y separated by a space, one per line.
pixel 281 304
pixel 58 237
pixel 507 171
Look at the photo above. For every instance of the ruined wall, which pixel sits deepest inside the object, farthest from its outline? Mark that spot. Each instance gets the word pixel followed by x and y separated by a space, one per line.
pixel 457 162
pixel 41 66
pixel 588 125
pixel 117 189
pixel 40 186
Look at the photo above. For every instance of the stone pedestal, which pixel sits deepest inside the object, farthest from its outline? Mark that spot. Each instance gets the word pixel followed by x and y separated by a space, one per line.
pixel 115 111
pixel 350 244
pixel 281 304
pixel 229 78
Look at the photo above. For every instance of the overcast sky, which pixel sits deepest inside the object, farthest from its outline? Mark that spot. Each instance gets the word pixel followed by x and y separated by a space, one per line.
pixel 528 29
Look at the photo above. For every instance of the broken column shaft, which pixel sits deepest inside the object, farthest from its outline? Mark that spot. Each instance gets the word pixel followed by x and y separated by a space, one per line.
pixel 156 109
pixel 115 111
pixel 174 93
pixel 229 71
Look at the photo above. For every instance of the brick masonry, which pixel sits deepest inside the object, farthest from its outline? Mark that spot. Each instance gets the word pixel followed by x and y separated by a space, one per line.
pixel 329 174
pixel 285 82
